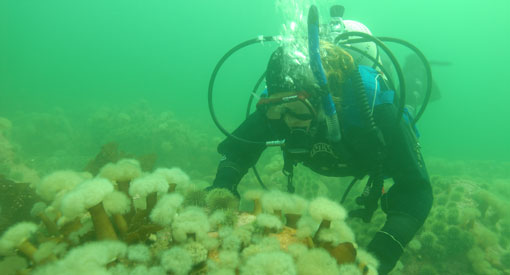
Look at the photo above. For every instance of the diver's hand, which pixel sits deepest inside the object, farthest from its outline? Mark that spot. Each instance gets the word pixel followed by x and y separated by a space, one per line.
pixel 370 202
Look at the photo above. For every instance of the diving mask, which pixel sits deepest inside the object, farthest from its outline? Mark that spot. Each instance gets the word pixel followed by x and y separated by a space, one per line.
pixel 294 108
pixel 297 112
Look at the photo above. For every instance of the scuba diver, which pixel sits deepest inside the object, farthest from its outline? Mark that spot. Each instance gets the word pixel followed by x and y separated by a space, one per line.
pixel 337 117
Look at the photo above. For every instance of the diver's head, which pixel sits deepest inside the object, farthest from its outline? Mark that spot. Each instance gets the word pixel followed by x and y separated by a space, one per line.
pixel 293 94
pixel 292 89
pixel 289 71
pixel 293 98
pixel 368 48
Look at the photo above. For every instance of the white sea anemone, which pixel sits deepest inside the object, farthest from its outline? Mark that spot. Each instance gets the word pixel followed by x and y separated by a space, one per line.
pixel 57 184
pixel 88 196
pixel 117 203
pixel 269 222
pixel 229 240
pixel 368 259
pixel 275 201
pixel 306 227
pixel 125 170
pixel 338 233
pixel 144 270
pixel 317 262
pixel 139 253
pixel 148 184
pixel 297 250
pixel 269 263
pixel 177 260
pixel 16 237
pixel 324 209
pixel 13 265
pixel 90 258
pixel 349 269
pixel 174 176
pixel 165 209
pixel 266 244
pixel 296 205
pixel 197 252
pixel 190 222
pixel 253 194
pixel 50 250
pixel 228 260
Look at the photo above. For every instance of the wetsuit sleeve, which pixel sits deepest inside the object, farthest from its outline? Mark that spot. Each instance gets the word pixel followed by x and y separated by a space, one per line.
pixel 239 156
pixel 408 202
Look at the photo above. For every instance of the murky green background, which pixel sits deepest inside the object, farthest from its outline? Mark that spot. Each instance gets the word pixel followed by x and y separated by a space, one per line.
pixel 78 55
pixel 75 75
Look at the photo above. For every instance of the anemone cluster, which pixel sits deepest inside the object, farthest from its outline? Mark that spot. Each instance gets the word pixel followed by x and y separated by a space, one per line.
pixel 63 139
pixel 467 231
pixel 144 130
pixel 126 221
pixel 480 170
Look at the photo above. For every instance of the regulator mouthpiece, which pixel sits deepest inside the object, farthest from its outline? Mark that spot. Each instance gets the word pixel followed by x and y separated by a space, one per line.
pixel 297 144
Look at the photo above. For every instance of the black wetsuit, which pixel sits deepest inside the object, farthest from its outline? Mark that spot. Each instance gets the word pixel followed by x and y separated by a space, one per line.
pixel 407 202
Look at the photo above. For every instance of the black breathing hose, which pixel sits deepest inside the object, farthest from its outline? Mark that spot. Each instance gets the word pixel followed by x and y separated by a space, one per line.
pixel 428 71
pixel 373 191
pixel 213 79
pixel 421 56
pixel 377 176
pixel 402 98
pixel 365 38
pixel 377 64
pixel 210 94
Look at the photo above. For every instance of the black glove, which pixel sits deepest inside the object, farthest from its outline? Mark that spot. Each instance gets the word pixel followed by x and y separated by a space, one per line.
pixel 369 200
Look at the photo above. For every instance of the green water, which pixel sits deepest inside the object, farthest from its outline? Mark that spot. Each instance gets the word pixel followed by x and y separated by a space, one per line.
pixel 75 75
pixel 83 54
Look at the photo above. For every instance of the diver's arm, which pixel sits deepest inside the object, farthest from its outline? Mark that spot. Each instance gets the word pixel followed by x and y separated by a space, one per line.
pixel 239 156
pixel 408 201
